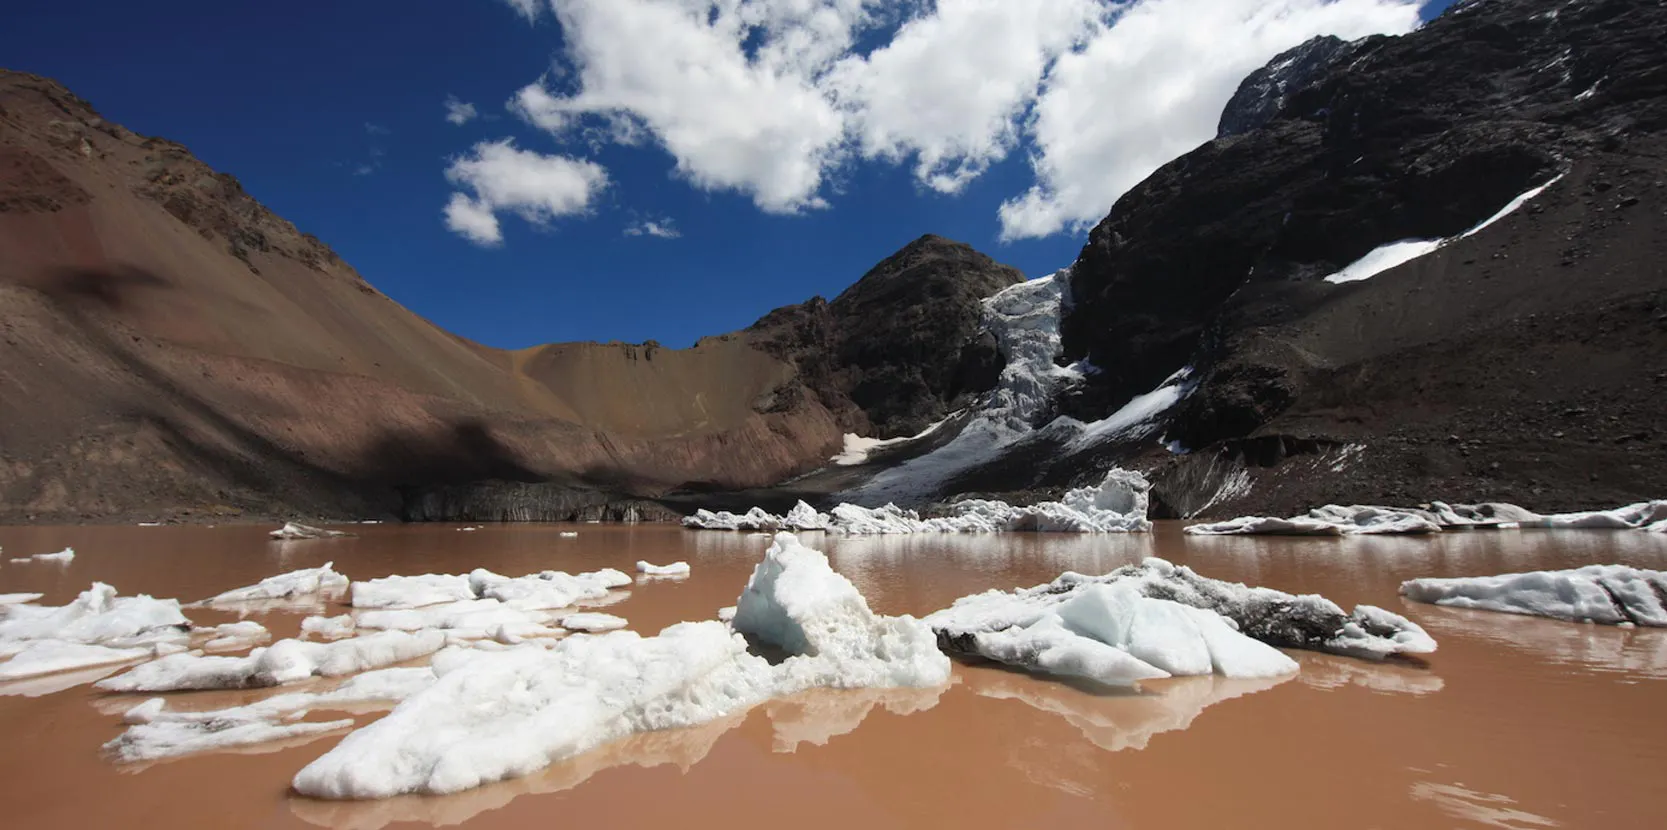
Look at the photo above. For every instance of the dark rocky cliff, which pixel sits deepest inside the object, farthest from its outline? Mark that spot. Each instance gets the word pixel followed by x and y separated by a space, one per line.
pixel 1526 361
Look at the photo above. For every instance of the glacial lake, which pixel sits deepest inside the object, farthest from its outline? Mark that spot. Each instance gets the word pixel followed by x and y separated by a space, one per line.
pixel 1514 723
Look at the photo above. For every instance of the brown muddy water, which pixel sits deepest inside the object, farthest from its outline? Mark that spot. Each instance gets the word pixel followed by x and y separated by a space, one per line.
pixel 1515 723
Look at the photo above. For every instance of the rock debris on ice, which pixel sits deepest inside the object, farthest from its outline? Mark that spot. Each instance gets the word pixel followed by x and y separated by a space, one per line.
pixel 285 661
pixel 1335 520
pixel 296 530
pixel 512 712
pixel 1118 505
pixel 310 584
pixel 1609 594
pixel 1157 619
pixel 63 557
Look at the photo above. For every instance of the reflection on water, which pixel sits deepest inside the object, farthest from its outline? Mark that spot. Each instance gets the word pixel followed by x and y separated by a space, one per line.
pixel 1117 720
pixel 1636 653
pixel 1396 677
pixel 1488 809
pixel 682 748
pixel 820 715
pixel 52 683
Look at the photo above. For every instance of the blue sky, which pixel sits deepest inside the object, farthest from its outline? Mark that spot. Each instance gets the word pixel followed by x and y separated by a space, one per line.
pixel 333 115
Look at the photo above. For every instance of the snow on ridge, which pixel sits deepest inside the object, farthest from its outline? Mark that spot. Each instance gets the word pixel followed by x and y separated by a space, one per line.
pixel 1336 520
pixel 857 448
pixel 528 707
pixel 1607 594
pixel 1391 254
pixel 1117 505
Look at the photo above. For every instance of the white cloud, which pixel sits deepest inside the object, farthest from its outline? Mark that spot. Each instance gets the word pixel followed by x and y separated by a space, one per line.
pixel 1150 86
pixel 949 87
pixel 526 8
pixel 533 186
pixel 661 228
pixel 459 112
pixel 770 98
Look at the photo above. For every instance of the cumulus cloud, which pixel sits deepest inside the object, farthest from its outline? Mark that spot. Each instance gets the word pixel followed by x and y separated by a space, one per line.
pixel 1149 85
pixel 526 8
pixel 771 98
pixel 459 112
pixel 660 228
pixel 501 177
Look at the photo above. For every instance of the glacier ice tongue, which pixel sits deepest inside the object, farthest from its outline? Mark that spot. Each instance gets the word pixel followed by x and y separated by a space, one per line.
pixel 1609 594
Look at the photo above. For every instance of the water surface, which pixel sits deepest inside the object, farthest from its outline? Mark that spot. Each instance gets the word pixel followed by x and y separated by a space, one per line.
pixel 1514 723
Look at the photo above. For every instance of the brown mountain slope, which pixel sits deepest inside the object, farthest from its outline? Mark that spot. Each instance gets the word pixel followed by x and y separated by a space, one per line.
pixel 169 345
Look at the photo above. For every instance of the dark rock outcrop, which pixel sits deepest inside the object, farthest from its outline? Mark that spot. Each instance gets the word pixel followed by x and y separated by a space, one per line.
pixel 1540 337
pixel 514 501
pixel 1263 93
pixel 903 346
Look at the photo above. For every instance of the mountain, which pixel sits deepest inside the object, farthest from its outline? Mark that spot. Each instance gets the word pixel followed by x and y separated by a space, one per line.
pixel 1525 360
pixel 168 346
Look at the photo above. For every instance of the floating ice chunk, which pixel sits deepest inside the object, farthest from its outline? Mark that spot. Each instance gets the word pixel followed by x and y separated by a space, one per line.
pixel 311 583
pixel 96 616
pixel 756 519
pixel 512 712
pixel 296 530
pixel 18 599
pixel 467 619
pixel 1631 517
pixel 674 569
pixel 236 635
pixel 1047 646
pixel 795 600
pixel 592 622
pixel 568 534
pixel 330 628
pixel 285 661
pixel 52 656
pixel 1272 617
pixel 548 589
pixel 151 741
pixel 1610 594
pixel 410 591
pixel 1156 631
pixel 63 557
pixel 1657 527
pixel 727 613
pixel 1330 520
pixel 804 517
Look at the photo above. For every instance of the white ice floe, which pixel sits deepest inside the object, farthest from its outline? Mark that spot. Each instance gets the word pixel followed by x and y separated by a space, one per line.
pixel 296 530
pixel 673 569
pixel 18 599
pixel 1610 594
pixel 470 619
pixel 1117 505
pixel 309 584
pixel 1391 254
pixel 568 534
pixel 230 636
pixel 285 661
pixel 1335 520
pixel 546 589
pixel 1157 619
pixel 330 628
pixel 98 616
pixel 52 656
pixel 727 613
pixel 592 622
pixel 63 557
pixel 410 591
pixel 508 713
pixel 156 732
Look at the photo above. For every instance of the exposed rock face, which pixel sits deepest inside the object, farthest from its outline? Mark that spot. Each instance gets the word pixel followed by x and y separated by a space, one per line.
pixel 1524 362
pixel 168 346
pixel 902 347
pixel 1263 93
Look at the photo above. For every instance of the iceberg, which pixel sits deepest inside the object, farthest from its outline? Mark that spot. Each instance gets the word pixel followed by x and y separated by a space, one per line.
pixel 285 661
pixel 592 622
pixel 309 584
pixel 296 530
pixel 1608 594
pixel 1335 520
pixel 410 591
pixel 508 713
pixel 1147 621
pixel 63 557
pixel 674 569
pixel 99 617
